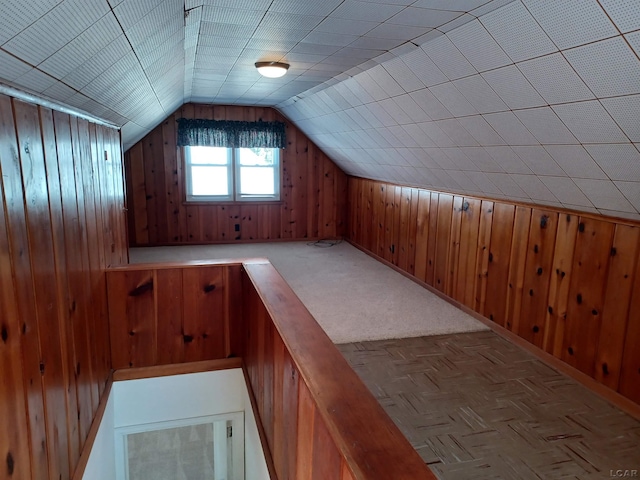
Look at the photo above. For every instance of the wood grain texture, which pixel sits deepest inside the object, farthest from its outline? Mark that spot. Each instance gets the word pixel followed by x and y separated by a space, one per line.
pixel 335 411
pixel 564 283
pixel 313 199
pixel 161 314
pixel 56 245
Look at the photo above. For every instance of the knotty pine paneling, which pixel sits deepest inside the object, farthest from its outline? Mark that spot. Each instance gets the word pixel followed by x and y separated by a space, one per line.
pixel 320 422
pixel 61 197
pixel 564 282
pixel 161 315
pixel 313 197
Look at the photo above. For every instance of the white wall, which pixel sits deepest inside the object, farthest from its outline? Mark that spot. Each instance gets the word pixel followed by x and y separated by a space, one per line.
pixel 151 400
pixel 102 460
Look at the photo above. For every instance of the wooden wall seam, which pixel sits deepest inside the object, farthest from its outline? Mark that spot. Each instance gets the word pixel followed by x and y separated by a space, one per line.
pixel 54 354
pixel 567 283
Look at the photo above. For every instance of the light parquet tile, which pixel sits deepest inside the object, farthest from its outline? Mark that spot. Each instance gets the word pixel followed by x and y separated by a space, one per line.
pixel 475 406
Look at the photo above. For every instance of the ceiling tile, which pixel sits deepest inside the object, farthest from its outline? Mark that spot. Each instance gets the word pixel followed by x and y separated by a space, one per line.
pixel 11 68
pixel 35 81
pixel 423 17
pixel 448 58
pixel 507 159
pixel 437 135
pixel 481 130
pixel 423 67
pixel 631 190
pixel 345 27
pixel 452 99
pixel 590 122
pixel 393 32
pixel 412 109
pixel 625 111
pixel 304 8
pixel 430 104
pixel 475 43
pixel 507 125
pixel 619 162
pixel 386 81
pixel 455 23
pixel 545 125
pixel 624 13
pixel 570 23
pixel 480 94
pixel 391 107
pixel 358 10
pixel 604 194
pixel 575 161
pixel 534 188
pixel 507 185
pixel 456 132
pixel 403 75
pixel 231 16
pixel 620 77
pixel 454 5
pixel 55 29
pixel 15 17
pixel 482 160
pixel 517 32
pixel 82 48
pixel 538 160
pixel 566 191
pixel 489 7
pixel 555 79
pixel 513 88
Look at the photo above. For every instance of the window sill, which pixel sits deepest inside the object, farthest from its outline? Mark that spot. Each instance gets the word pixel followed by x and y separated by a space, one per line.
pixel 231 203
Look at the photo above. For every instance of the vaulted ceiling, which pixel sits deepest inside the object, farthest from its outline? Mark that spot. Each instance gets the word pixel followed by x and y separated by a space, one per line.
pixel 527 100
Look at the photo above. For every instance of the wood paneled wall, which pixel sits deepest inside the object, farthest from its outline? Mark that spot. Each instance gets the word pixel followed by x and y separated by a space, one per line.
pixel 162 314
pixel 320 421
pixel 61 224
pixel 567 283
pixel 313 199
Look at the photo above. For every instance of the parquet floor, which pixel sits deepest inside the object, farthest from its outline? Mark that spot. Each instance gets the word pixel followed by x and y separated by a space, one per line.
pixel 478 407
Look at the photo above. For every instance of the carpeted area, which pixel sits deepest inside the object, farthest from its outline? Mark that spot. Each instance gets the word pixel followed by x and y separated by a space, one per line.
pixel 352 296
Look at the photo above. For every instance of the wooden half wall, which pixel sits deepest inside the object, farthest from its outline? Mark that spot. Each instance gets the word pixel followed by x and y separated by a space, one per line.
pixel 313 198
pixel 316 417
pixel 61 224
pixel 567 283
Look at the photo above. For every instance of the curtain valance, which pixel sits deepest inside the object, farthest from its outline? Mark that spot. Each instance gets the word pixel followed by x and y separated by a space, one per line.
pixel 231 134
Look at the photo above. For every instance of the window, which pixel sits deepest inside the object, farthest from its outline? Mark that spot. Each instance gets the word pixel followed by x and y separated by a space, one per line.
pixel 220 174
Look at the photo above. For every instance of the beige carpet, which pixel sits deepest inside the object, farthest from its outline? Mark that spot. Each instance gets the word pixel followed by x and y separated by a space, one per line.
pixel 352 296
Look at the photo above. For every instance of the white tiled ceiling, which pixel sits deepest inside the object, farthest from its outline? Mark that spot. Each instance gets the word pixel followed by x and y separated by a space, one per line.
pixel 532 100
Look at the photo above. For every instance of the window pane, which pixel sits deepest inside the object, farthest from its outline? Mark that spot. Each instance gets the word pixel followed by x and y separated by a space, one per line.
pixel 209 155
pixel 258 156
pixel 209 181
pixel 256 181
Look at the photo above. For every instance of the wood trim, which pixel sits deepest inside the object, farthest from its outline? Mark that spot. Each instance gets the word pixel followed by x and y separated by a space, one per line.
pixel 344 403
pixel 176 369
pixel 268 456
pixel 93 431
pixel 248 241
pixel 621 402
pixel 184 264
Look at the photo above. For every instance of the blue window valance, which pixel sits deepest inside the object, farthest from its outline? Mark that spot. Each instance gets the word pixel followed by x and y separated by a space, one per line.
pixel 231 134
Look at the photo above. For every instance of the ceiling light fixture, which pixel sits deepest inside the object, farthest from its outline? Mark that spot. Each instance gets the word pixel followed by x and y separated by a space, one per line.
pixel 272 69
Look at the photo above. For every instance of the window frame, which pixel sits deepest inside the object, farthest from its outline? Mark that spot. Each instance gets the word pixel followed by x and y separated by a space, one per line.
pixel 233 176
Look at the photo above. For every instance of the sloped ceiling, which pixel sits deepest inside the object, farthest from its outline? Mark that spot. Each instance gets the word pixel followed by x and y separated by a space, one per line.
pixel 527 100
